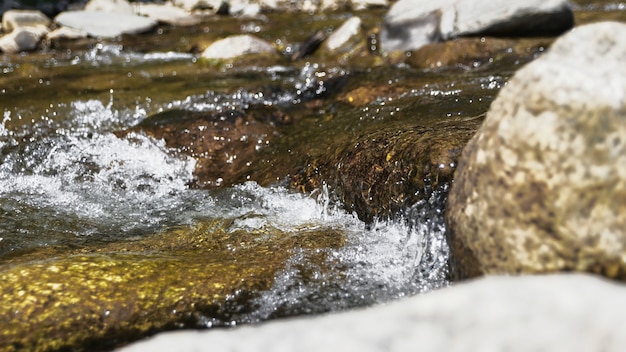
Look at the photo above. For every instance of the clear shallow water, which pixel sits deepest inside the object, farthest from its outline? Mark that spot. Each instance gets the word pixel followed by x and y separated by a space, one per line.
pixel 67 180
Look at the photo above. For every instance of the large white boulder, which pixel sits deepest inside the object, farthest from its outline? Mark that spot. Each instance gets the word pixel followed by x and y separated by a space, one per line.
pixel 542 185
pixel 560 313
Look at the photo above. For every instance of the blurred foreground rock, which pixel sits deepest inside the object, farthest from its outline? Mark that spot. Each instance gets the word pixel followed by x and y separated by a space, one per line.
pixel 542 185
pixel 568 313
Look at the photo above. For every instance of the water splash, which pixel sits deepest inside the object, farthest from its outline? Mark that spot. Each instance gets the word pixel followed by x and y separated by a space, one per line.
pixel 104 54
pixel 379 262
pixel 59 181
pixel 64 182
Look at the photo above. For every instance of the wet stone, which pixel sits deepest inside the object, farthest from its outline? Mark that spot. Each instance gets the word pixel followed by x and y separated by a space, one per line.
pixel 382 173
pixel 223 143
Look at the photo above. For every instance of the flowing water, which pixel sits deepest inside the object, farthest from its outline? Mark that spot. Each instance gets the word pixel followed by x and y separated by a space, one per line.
pixel 67 180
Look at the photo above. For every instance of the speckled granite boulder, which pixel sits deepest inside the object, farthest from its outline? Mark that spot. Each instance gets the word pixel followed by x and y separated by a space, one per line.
pixel 568 313
pixel 542 185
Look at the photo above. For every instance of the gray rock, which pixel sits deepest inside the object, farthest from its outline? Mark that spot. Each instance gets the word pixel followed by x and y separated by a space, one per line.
pixel 568 313
pixel 340 39
pixel 121 6
pixel 105 24
pixel 167 13
pixel 410 24
pixel 21 39
pixel 542 186
pixel 237 45
pixel 13 19
pixel 510 18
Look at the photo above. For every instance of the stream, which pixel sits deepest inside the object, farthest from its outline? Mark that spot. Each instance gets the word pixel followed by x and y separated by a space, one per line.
pixel 67 180
pixel 72 187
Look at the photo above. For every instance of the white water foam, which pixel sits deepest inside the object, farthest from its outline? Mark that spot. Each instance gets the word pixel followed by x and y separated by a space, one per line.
pixel 103 54
pixel 378 262
pixel 80 176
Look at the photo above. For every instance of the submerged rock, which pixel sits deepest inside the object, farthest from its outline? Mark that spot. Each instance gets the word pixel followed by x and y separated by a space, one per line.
pixel 411 24
pixel 542 185
pixel 555 313
pixel 105 24
pixel 238 45
pixel 102 297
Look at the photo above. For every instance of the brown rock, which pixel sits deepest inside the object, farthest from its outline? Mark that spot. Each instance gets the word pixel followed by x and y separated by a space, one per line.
pixel 223 143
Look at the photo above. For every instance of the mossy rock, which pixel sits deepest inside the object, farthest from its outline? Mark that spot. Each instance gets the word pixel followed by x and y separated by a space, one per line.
pixel 101 297
pixel 382 173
